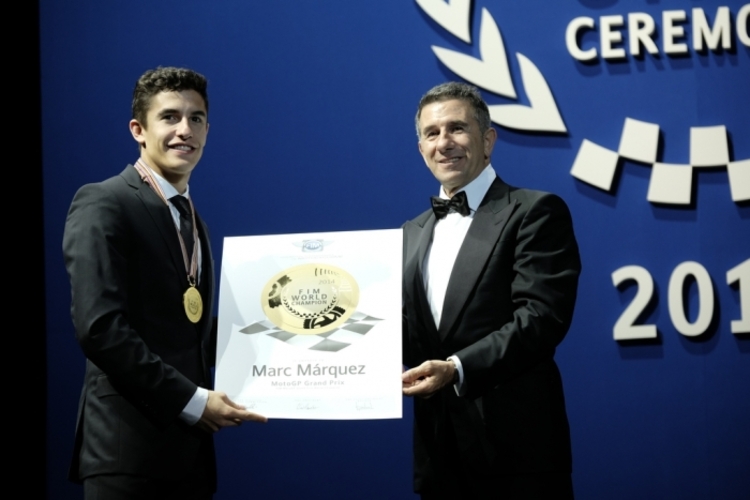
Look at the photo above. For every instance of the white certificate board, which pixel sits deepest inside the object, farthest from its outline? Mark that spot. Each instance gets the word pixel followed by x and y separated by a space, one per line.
pixel 310 324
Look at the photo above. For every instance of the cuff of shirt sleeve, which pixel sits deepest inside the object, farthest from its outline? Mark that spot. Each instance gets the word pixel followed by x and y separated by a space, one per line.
pixel 459 385
pixel 193 411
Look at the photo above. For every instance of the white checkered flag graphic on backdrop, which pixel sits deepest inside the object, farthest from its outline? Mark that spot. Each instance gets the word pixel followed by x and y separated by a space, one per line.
pixel 669 184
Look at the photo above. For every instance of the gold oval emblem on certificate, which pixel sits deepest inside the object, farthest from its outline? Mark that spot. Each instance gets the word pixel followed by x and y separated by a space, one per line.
pixel 310 299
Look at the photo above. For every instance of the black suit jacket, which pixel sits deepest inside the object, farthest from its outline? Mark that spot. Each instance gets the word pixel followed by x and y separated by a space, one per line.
pixel 145 359
pixel 508 304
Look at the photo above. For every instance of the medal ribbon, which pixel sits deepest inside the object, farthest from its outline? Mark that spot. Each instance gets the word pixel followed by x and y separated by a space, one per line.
pixel 191 266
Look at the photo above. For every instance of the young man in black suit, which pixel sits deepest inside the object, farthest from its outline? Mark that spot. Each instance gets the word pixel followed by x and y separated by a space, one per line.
pixel 490 280
pixel 142 281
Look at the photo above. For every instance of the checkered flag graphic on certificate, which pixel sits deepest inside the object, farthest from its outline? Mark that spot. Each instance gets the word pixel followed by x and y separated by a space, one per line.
pixel 356 327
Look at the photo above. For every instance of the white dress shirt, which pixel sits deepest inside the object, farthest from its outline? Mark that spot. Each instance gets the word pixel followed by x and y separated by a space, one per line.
pixel 447 238
pixel 194 409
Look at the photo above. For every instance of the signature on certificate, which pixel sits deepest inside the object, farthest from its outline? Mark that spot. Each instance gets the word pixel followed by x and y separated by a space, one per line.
pixel 363 404
pixel 307 405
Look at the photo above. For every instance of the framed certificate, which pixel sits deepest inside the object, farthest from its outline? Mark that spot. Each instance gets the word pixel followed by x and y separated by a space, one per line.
pixel 310 324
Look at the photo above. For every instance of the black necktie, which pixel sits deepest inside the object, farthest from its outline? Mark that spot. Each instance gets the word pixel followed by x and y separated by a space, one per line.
pixel 458 203
pixel 186 222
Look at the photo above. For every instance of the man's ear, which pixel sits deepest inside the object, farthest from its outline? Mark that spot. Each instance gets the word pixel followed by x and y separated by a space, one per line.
pixel 137 130
pixel 490 136
pixel 419 145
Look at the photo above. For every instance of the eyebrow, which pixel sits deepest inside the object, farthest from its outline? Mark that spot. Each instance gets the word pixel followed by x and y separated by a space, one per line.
pixel 452 123
pixel 165 112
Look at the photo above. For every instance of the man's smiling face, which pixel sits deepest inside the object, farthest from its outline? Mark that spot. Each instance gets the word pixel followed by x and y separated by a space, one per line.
pixel 173 137
pixel 452 145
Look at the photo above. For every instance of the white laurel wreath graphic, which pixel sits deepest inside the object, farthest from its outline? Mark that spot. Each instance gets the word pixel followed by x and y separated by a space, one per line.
pixel 595 165
pixel 491 72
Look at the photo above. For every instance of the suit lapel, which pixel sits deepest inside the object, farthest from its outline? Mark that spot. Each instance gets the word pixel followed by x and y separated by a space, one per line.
pixel 489 221
pixel 207 269
pixel 160 216
pixel 418 234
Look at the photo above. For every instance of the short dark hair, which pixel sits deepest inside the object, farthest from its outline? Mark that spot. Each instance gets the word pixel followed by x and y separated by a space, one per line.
pixel 165 79
pixel 456 90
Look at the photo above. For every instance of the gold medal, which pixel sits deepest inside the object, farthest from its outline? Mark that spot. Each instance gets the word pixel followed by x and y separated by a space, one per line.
pixel 193 303
pixel 191 299
pixel 310 299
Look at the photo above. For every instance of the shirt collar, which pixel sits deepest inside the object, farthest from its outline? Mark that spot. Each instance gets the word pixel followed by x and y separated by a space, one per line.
pixel 168 189
pixel 477 188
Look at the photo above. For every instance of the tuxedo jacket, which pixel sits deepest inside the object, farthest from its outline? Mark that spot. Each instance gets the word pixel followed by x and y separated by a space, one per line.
pixel 145 359
pixel 508 304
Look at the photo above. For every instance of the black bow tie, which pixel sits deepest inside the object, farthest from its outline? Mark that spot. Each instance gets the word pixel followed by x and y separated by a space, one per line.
pixel 458 203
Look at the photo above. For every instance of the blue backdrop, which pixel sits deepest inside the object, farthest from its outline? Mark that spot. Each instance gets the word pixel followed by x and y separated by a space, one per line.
pixel 312 108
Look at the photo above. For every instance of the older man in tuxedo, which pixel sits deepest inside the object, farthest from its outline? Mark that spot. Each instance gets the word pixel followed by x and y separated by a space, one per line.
pixel 490 280
pixel 142 281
